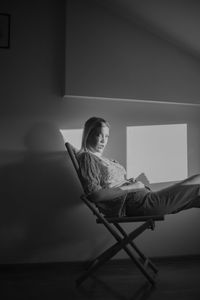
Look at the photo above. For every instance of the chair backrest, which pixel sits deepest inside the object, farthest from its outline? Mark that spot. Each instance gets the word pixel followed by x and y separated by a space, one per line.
pixel 73 156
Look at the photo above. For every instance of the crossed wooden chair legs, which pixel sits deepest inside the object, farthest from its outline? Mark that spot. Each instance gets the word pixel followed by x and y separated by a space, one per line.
pixel 123 241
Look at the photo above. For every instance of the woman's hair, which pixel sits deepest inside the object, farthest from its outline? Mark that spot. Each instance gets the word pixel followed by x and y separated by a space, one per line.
pixel 90 127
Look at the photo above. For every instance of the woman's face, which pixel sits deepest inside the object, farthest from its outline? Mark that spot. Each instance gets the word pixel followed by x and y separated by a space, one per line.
pixel 99 139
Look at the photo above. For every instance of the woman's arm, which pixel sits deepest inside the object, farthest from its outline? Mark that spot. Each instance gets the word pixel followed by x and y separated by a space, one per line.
pixel 114 192
pixel 91 176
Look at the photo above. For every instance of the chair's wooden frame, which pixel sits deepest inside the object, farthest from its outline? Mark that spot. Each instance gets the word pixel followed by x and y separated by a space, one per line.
pixel 123 240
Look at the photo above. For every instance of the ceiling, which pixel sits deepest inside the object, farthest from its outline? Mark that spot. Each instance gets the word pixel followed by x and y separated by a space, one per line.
pixel 177 21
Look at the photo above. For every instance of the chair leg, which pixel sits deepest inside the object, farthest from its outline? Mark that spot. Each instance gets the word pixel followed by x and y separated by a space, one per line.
pixel 113 250
pixel 144 258
pixel 141 266
pixel 99 261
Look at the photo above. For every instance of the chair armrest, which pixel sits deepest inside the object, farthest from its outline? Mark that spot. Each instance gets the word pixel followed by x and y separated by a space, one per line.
pixel 132 219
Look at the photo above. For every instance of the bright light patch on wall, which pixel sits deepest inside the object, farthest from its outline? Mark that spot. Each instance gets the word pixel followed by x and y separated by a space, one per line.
pixel 73 136
pixel 158 151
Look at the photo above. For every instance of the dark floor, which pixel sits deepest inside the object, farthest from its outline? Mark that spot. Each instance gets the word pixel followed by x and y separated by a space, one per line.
pixel 177 279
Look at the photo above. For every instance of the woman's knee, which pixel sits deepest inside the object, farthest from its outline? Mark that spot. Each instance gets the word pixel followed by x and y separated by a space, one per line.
pixel 195 179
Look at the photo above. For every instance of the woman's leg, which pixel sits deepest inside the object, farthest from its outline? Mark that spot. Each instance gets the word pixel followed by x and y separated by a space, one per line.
pixel 182 195
pixel 192 180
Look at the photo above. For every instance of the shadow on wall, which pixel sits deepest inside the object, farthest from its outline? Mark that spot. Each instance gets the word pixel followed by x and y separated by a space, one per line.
pixel 39 193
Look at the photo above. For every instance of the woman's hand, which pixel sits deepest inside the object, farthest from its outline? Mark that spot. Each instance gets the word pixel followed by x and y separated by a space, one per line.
pixel 131 180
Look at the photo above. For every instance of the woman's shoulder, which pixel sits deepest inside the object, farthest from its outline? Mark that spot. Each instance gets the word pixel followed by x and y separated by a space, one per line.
pixel 89 162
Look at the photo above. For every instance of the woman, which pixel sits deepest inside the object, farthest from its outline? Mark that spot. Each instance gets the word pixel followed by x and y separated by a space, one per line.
pixel 105 181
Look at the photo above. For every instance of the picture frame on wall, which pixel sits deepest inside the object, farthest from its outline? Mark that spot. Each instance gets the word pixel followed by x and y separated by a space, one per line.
pixel 4 30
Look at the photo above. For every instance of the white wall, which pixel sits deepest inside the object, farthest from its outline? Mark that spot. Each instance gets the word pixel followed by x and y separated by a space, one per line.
pixel 109 56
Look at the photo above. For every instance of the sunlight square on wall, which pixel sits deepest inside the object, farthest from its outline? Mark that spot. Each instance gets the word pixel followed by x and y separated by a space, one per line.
pixel 158 151
pixel 73 136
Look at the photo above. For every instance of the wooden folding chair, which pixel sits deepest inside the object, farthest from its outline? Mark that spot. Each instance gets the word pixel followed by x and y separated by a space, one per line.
pixel 123 240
